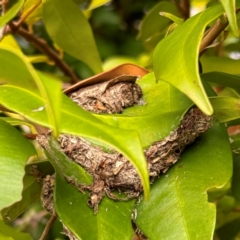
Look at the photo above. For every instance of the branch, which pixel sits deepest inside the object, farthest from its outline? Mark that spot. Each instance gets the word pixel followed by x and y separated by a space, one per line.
pixel 212 33
pixel 42 45
pixel 184 8
pixel 48 226
pixel 30 136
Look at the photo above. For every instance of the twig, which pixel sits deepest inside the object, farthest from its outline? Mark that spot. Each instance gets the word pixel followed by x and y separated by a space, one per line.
pixel 30 136
pixel 42 45
pixel 24 16
pixel 212 33
pixel 48 227
pixel 184 8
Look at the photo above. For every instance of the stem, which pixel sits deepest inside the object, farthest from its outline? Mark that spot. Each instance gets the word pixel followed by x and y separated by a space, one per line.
pixel 212 33
pixel 24 16
pixel 184 8
pixel 30 136
pixel 48 226
pixel 42 45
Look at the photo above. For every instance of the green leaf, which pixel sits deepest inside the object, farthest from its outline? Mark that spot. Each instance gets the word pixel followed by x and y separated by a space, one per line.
pixel 153 22
pixel 223 79
pixel 76 121
pixel 35 15
pixel 70 202
pixel 14 152
pixel 113 220
pixel 21 76
pixel 10 41
pixel 69 28
pixel 226 108
pixel 30 194
pixel 31 189
pixel 64 165
pixel 15 121
pixel 175 58
pixel 226 65
pixel 178 21
pixel 152 122
pixel 229 7
pixel 178 203
pixel 24 75
pixel 9 233
pixel 50 89
pixel 11 13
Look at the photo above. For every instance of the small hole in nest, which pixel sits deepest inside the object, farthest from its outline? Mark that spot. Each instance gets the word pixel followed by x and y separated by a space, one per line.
pixel 177 151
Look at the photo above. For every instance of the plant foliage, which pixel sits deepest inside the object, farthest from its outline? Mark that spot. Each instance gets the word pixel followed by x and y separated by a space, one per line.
pixel 185 54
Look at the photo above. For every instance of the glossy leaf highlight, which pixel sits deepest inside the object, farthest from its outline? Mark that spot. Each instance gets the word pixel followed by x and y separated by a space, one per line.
pixel 229 7
pixel 68 27
pixel 178 202
pixel 176 62
pixel 14 152
pixel 76 121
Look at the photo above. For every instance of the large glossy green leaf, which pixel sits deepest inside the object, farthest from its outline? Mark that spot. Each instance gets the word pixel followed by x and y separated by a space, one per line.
pixel 97 3
pixel 31 190
pixel 30 194
pixel 223 64
pixel 152 122
pixel 69 28
pixel 15 70
pixel 226 108
pixel 178 203
pixel 70 202
pixel 223 79
pixel 14 152
pixel 175 59
pixel 153 22
pixel 76 121
pixel 11 13
pixel 25 76
pixel 230 9
pixel 113 220
pixel 9 233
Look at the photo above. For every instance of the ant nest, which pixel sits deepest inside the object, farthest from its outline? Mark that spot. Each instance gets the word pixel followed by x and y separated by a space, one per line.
pixel 111 170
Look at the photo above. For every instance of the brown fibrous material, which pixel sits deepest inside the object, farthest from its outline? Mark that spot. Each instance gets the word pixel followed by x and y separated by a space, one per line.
pixel 108 97
pixel 111 170
pixel 47 193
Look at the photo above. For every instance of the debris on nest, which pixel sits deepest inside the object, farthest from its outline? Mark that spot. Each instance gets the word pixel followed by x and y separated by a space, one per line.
pixel 111 170
pixel 68 233
pixel 47 193
pixel 108 97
